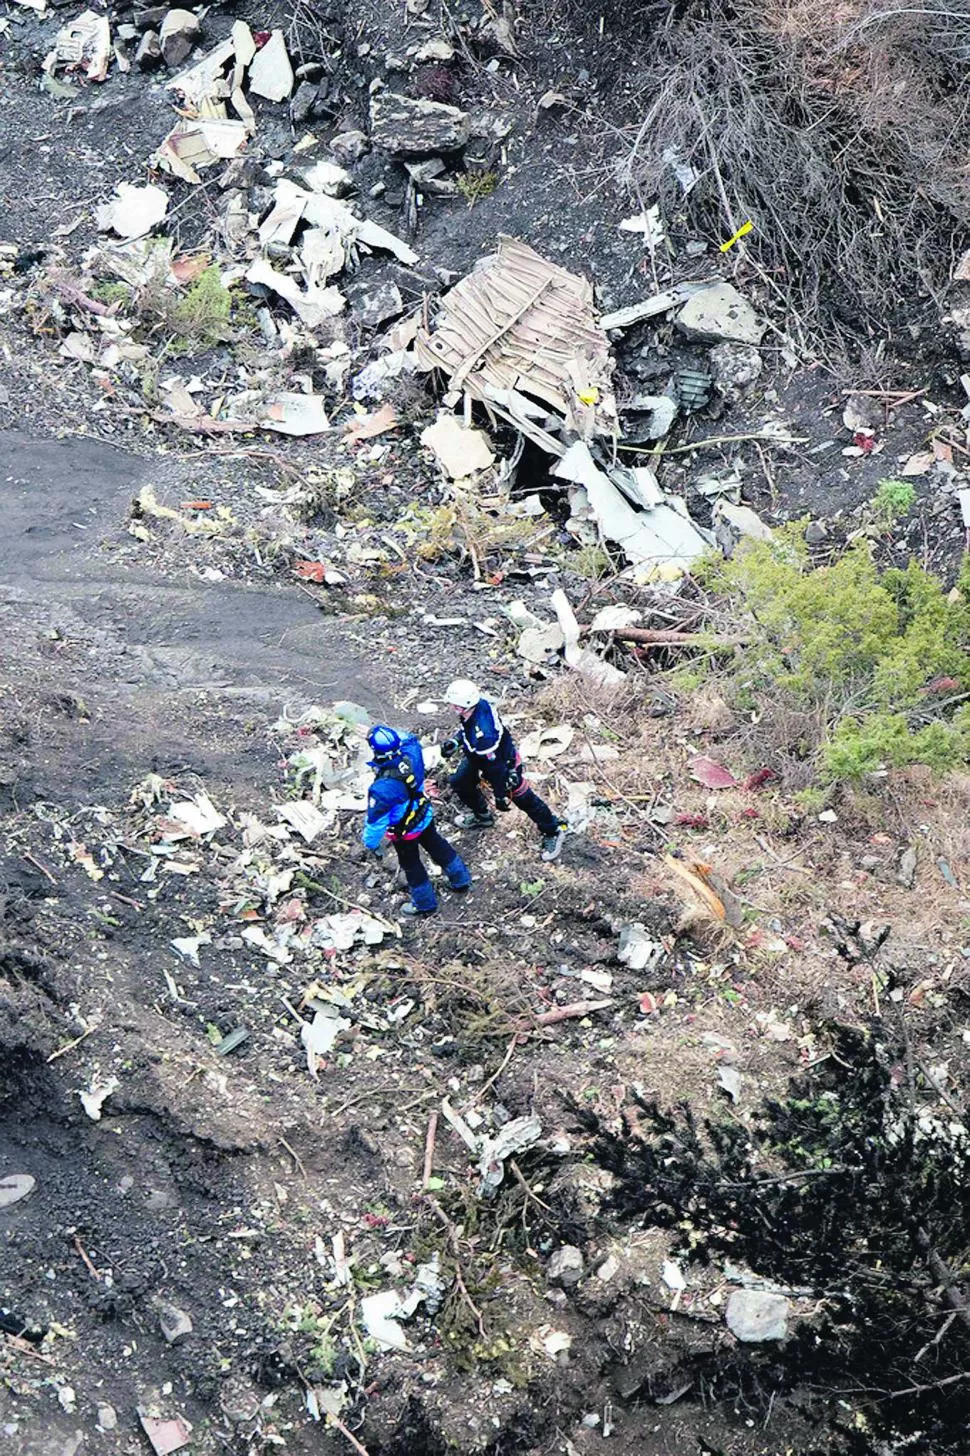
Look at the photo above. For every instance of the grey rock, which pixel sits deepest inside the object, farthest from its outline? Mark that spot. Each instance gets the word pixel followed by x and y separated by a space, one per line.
pixel 349 147
pixel 720 315
pixel 815 533
pixel 151 17
pixel 148 56
pixel 174 1323
pixel 409 126
pixel 304 100
pixel 430 176
pixel 373 304
pixel 735 368
pixel 107 1417
pixel 754 1316
pixel 566 1266
pixel 907 869
pixel 178 35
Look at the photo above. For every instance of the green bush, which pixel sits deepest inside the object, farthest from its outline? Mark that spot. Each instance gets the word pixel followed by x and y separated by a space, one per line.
pixel 857 645
pixel 893 500
pixel 202 314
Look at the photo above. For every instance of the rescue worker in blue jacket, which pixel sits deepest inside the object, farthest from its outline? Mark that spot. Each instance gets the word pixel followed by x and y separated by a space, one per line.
pixel 398 807
pixel 490 754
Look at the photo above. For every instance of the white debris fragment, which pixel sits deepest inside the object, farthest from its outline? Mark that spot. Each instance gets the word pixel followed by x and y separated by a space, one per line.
pixel 460 450
pixel 133 211
pixel 199 815
pixel 320 1035
pixel 520 1133
pixel 380 1313
pixel 96 1096
pixel 270 73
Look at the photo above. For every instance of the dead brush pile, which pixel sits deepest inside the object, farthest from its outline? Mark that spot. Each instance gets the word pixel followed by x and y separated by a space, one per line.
pixel 839 130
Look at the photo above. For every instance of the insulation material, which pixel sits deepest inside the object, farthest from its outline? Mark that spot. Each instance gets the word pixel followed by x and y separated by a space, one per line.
pixel 518 324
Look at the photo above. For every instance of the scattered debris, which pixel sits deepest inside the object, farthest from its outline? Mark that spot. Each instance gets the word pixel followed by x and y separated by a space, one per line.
pixel 711 774
pixel 174 1323
pixel 547 1341
pixel 84 44
pixel 637 949
pixel 729 1079
pixel 320 1035
pixel 662 536
pixel 177 36
pixel 516 1135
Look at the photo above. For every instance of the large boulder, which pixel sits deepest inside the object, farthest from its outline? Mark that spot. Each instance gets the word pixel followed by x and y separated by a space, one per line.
pixel 413 127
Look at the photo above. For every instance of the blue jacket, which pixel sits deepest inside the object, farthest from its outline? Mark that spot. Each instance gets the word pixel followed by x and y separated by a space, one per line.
pixel 390 799
pixel 484 735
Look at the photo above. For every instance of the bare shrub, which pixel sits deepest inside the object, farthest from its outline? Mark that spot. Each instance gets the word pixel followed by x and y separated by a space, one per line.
pixel 837 129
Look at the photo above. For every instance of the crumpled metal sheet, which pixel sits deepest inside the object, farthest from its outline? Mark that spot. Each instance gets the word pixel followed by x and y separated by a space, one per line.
pixel 518 324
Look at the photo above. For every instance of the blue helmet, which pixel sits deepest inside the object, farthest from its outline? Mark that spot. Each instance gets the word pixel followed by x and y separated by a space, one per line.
pixel 384 742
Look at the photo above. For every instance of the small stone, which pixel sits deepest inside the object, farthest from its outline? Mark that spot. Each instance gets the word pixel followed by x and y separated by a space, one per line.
pixel 148 56
pixel 349 147
pixel 177 37
pixel 174 1323
pixel 107 1417
pixel 304 100
pixel 753 1316
pixel 735 368
pixel 720 315
pixel 566 1266
pixel 907 869
pixel 435 50
pixel 609 1268
pixel 815 533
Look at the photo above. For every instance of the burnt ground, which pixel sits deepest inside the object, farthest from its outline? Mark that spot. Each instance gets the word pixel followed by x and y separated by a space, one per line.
pixel 216 1183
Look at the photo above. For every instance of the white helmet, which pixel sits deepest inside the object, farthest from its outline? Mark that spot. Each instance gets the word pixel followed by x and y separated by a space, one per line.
pixel 462 694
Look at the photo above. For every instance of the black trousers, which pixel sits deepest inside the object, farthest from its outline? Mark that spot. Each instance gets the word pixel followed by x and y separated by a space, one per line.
pixel 443 854
pixel 467 784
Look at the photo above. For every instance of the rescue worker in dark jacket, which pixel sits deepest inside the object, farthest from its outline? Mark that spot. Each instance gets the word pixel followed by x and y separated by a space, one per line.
pixel 398 807
pixel 491 755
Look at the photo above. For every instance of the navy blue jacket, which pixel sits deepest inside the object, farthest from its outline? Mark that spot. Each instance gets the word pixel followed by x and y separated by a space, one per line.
pixel 484 735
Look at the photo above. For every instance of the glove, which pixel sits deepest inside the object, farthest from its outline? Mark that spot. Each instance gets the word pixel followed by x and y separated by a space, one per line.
pixel 449 748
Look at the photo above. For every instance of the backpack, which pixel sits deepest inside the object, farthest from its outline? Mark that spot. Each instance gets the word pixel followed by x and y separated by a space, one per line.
pixel 409 769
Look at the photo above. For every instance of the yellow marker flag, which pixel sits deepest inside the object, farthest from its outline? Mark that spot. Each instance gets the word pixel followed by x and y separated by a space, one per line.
pixel 742 232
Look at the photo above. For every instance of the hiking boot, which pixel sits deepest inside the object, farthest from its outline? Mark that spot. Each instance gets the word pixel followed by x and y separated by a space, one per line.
pixel 459 889
pixel 552 844
pixel 503 805
pixel 409 908
pixel 471 820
